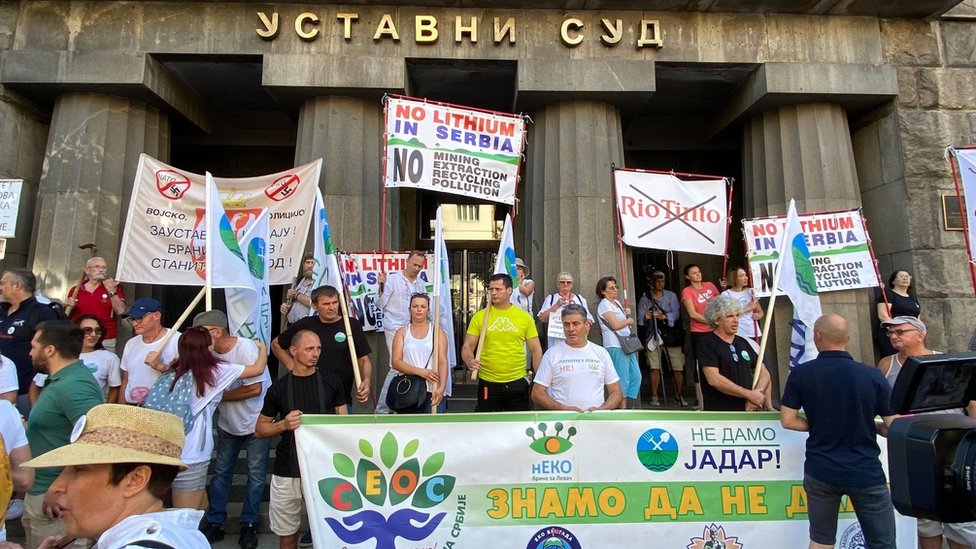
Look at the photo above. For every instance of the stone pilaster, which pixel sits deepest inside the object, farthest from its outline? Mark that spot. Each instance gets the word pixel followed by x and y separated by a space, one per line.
pixel 346 133
pixel 804 152
pixel 93 149
pixel 569 210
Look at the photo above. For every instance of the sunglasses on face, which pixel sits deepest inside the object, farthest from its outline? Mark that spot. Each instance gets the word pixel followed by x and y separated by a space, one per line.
pixel 89 330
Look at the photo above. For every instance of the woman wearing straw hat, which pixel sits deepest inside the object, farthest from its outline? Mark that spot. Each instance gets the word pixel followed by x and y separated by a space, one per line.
pixel 117 469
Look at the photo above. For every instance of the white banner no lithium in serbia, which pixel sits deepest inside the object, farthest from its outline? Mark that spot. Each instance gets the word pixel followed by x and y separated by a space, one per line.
pixel 453 150
pixel 663 212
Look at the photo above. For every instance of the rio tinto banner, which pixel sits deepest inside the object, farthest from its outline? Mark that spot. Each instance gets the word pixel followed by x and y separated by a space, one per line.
pixel 164 238
pixel 660 211
pixel 566 480
pixel 838 247
pixel 361 270
pixel 453 150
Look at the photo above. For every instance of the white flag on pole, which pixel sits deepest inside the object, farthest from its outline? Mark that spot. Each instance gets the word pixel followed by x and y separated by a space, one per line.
pixel 442 289
pixel 505 260
pixel 226 266
pixel 326 271
pixel 797 281
pixel 254 245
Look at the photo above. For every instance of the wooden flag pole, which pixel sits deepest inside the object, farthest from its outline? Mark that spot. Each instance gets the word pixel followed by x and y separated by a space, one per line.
pixel 481 340
pixel 352 342
pixel 182 319
pixel 436 352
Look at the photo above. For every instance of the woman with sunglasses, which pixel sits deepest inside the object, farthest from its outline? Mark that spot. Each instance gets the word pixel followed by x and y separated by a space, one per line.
pixel 413 352
pixel 102 363
pixel 209 378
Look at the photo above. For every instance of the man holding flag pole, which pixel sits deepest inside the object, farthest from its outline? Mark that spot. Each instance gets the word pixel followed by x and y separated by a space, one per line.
pixel 500 333
pixel 345 350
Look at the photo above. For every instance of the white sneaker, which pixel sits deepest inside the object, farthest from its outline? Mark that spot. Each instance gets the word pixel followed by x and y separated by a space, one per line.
pixel 15 509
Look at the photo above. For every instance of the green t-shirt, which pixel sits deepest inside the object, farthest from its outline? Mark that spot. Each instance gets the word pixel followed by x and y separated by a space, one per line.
pixel 503 356
pixel 67 395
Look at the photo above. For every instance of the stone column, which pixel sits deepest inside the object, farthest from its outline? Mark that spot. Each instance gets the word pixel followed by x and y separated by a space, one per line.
pixel 804 152
pixel 92 152
pixel 346 133
pixel 569 222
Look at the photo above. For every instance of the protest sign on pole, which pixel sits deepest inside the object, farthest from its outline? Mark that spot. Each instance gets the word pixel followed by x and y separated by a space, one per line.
pixel 452 149
pixel 695 480
pixel 10 190
pixel 663 212
pixel 163 240
pixel 838 247
pixel 361 270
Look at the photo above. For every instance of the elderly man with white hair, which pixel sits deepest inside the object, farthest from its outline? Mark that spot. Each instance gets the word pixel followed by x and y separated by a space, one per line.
pixel 727 362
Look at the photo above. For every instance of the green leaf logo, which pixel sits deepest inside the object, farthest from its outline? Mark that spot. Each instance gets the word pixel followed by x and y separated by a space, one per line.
pixel 229 238
pixel 805 278
pixel 255 258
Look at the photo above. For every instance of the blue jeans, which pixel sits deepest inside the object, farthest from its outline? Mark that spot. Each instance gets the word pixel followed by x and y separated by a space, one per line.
pixel 228 447
pixel 872 505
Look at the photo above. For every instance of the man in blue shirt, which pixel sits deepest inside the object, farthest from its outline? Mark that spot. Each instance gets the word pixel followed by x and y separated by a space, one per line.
pixel 841 398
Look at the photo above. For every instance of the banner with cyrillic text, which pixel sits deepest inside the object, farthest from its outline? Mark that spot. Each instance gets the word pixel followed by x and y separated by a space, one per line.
pixel 451 149
pixel 163 241
pixel 660 211
pixel 838 247
pixel 361 270
pixel 538 480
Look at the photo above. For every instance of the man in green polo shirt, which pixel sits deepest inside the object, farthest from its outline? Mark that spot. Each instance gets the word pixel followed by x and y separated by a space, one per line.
pixel 69 393
pixel 502 384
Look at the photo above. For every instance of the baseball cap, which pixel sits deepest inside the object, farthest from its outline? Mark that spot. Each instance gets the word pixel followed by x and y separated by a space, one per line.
pixel 910 320
pixel 142 307
pixel 210 318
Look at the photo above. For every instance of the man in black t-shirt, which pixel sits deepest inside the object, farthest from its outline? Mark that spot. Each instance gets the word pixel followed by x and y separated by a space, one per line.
pixel 329 326
pixel 306 389
pixel 727 362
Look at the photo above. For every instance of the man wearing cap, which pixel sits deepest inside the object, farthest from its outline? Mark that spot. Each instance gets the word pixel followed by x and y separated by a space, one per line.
pixel 69 393
pixel 305 390
pixel 142 363
pixel 907 336
pixel 394 301
pixel 525 287
pixel 239 407
pixel 20 313
pixel 298 300
pixel 99 295
pixel 117 469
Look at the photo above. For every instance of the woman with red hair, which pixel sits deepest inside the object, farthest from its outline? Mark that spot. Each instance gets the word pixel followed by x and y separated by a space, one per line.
pixel 195 383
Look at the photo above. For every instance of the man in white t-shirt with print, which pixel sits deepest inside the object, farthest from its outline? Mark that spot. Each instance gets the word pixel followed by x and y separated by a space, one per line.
pixel 141 363
pixel 576 374
pixel 239 408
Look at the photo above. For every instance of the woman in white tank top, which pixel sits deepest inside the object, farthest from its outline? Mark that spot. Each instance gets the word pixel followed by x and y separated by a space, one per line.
pixel 412 353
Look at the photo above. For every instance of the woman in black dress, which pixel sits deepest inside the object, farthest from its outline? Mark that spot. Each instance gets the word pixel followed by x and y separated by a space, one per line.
pixel 901 302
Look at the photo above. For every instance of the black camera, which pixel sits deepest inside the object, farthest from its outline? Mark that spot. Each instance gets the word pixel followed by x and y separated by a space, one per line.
pixel 932 457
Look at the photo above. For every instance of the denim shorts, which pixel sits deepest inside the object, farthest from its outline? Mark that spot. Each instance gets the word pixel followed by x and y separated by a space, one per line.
pixel 192 479
pixel 872 505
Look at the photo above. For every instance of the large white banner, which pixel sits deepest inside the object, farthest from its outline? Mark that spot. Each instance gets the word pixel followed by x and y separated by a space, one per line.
pixel 561 480
pixel 9 206
pixel 663 212
pixel 453 150
pixel 163 241
pixel 838 248
pixel 361 270
pixel 967 171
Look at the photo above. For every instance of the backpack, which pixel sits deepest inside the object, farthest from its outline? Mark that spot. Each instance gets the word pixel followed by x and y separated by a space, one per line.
pixel 175 401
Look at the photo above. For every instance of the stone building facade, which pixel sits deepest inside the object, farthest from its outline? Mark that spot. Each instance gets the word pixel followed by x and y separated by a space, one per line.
pixel 835 103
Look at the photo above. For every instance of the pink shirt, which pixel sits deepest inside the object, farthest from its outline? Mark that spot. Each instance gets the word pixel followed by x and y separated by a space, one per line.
pixel 700 299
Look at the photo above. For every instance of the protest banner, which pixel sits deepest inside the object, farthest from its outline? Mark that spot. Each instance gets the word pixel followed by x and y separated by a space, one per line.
pixel 361 270
pixel 10 190
pixel 163 240
pixel 660 211
pixel 560 479
pixel 966 170
pixel 452 149
pixel 838 247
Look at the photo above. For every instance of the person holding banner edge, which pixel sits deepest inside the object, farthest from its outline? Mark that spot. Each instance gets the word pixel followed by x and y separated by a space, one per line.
pixel 98 295
pixel 394 301
pixel 502 384
pixel 413 349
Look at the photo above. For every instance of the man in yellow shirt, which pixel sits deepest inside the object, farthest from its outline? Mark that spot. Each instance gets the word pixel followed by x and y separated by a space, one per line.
pixel 502 384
